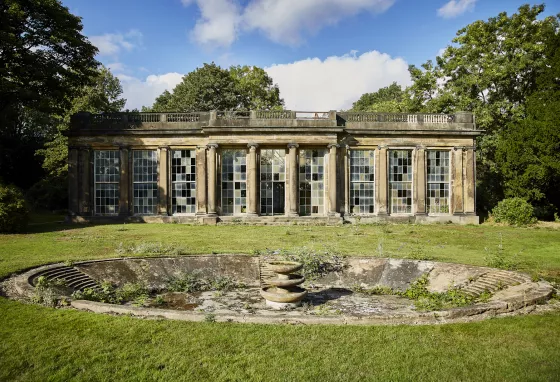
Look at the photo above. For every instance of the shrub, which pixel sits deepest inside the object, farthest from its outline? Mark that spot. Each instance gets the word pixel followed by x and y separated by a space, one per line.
pixel 14 214
pixel 514 211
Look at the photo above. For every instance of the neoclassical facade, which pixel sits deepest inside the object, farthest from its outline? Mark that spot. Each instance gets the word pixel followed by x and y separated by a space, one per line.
pixel 272 166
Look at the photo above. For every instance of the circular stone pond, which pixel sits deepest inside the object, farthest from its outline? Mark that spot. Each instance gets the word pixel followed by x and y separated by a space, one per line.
pixel 362 290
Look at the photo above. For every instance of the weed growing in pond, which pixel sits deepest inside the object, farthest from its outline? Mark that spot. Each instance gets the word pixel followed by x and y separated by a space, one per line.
pixel 209 317
pixel 47 292
pixel 195 282
pixel 325 310
pixel 159 300
pixel 153 249
pixel 376 290
pixel 428 301
pixel 485 296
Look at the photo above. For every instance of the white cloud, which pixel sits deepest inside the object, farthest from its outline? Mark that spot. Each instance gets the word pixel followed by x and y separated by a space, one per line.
pixel 111 44
pixel 338 81
pixel 283 21
pixel 310 84
pixel 455 8
pixel 115 67
pixel 140 92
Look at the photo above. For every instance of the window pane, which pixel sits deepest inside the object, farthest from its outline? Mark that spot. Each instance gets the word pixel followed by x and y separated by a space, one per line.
pixel 311 182
pixel 273 179
pixel 145 189
pixel 183 182
pixel 438 178
pixel 400 181
pixel 234 182
pixel 106 168
pixel 362 181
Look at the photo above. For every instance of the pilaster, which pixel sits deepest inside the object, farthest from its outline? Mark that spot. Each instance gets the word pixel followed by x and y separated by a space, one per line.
pixel 457 207
pixel 124 184
pixel 381 189
pixel 420 176
pixel 332 178
pixel 252 180
pixel 163 181
pixel 293 180
pixel 212 176
pixel 201 180
pixel 73 197
pixel 86 180
pixel 470 181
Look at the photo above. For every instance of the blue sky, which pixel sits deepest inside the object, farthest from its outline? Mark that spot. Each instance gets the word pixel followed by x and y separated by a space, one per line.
pixel 322 53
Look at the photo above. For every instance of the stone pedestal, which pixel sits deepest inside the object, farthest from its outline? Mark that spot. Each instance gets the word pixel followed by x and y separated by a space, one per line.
pixel 293 180
pixel 252 181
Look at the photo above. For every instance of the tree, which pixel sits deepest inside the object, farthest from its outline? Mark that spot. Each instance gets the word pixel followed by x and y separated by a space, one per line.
pixel 529 150
pixel 491 69
pixel 390 99
pixel 44 59
pixel 214 88
pixel 43 55
pixel 103 95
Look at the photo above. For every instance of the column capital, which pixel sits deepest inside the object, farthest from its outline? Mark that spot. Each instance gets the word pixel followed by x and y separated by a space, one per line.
pixel 420 147
pixel 455 148
pixel 124 147
pixel 163 147
pixel 381 147
pixel 212 145
pixel 331 145
pixel 293 145
pixel 203 147
pixel 252 146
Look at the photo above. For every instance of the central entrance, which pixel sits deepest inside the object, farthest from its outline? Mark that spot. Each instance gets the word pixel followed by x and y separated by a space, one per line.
pixel 273 182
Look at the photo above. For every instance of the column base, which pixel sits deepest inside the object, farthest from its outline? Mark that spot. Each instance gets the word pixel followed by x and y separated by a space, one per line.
pixel 420 214
pixel 252 215
pixel 208 219
pixel 292 214
pixel 333 214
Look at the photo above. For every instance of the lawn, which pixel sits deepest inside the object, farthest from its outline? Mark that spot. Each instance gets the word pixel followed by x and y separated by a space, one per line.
pixel 38 343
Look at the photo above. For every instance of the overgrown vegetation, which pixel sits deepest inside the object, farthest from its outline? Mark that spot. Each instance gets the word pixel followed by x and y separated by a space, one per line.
pixel 151 249
pixel 196 282
pixel 14 214
pixel 316 262
pixel 499 257
pixel 514 211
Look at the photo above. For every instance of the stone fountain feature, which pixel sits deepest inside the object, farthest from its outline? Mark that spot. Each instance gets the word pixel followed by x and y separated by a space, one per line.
pixel 283 291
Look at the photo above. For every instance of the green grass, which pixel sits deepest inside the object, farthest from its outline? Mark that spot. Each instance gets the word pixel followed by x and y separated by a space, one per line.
pixel 38 343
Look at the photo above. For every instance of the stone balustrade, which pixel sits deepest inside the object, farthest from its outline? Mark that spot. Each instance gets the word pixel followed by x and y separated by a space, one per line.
pixel 274 118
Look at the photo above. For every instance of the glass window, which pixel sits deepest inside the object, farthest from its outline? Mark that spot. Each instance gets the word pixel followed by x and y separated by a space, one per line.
pixel 106 167
pixel 311 182
pixel 400 181
pixel 144 179
pixel 362 181
pixel 183 182
pixel 273 182
pixel 438 182
pixel 234 182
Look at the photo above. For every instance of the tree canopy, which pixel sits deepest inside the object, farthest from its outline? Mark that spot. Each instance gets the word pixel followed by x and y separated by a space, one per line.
pixel 214 88
pixel 390 99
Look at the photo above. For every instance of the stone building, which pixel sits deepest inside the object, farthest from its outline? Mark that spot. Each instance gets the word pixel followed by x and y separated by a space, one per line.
pixel 272 166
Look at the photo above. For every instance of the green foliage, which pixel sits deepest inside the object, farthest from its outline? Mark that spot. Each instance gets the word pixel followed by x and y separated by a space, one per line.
pixel 428 301
pixel 390 99
pixel 214 88
pixel 377 290
pixel 194 282
pixel 13 210
pixel 514 211
pixel 47 291
pixel 316 263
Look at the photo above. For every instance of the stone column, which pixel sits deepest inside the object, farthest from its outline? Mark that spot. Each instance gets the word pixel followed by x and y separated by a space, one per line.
pixel 420 187
pixel 124 185
pixel 212 178
pixel 381 194
pixel 163 181
pixel 332 178
pixel 201 180
pixel 347 181
pixel 457 201
pixel 73 202
pixel 293 178
pixel 86 182
pixel 470 182
pixel 252 180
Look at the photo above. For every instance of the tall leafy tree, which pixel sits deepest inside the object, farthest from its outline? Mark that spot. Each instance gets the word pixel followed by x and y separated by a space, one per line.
pixel 44 59
pixel 214 88
pixel 103 95
pixel 390 99
pixel 529 150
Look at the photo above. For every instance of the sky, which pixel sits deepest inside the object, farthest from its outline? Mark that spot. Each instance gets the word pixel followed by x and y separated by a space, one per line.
pixel 323 54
